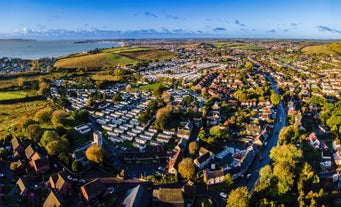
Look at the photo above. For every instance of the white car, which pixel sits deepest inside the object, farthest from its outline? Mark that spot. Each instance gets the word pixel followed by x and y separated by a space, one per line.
pixel 2 175
pixel 222 194
pixel 69 177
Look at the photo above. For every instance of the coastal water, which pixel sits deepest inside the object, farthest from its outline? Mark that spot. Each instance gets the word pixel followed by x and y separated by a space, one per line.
pixel 40 49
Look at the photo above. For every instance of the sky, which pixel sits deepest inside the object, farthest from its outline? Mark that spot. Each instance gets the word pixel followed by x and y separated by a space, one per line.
pixel 98 19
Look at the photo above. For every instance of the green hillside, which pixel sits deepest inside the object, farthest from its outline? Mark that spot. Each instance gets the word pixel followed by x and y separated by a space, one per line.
pixel 328 49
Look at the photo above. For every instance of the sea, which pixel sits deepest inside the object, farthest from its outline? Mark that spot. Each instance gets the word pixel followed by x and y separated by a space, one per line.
pixel 32 49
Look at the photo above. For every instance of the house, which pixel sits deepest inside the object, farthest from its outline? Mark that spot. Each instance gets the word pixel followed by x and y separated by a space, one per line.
pixel 174 162
pixel 313 140
pixel 168 197
pixel 214 176
pixel 16 145
pixel 29 152
pixel 203 160
pixel 60 183
pixel 54 200
pixel 185 130
pixel 247 159
pixel 92 190
pixel 137 197
pixel 235 172
pixel 23 187
pixel 181 145
pixel 39 163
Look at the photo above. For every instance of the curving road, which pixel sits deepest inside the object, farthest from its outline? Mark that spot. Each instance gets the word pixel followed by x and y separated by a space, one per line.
pixel 280 122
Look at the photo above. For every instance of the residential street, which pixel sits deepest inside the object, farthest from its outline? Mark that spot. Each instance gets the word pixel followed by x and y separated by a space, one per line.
pixel 280 122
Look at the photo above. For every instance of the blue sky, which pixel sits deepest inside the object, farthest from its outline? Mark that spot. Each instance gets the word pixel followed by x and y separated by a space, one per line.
pixel 95 19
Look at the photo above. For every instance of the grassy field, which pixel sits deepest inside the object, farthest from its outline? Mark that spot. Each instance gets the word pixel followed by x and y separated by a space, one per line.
pixel 150 55
pixel 114 57
pixel 149 87
pixel 285 60
pixel 237 45
pixel 251 47
pixel 328 49
pixel 226 44
pixel 94 61
pixel 13 95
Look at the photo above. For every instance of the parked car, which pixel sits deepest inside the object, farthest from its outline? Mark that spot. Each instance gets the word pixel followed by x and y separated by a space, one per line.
pixel 222 194
pixel 1 175
pixel 82 181
pixel 69 177
pixel 248 176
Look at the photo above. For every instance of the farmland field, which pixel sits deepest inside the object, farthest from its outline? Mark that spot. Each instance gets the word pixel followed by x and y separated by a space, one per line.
pixel 114 57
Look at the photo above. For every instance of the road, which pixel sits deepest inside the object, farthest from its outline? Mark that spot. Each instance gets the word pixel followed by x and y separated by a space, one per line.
pixel 280 122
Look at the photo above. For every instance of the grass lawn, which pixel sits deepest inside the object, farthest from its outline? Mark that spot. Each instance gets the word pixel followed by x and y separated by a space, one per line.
pixel 14 95
pixel 149 87
pixel 203 202
pixel 285 60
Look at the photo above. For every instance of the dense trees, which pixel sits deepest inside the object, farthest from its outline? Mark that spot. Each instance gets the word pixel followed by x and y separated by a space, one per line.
pixel 58 146
pixel 151 108
pixel 274 98
pixel 81 115
pixel 43 115
pixel 49 136
pixel 218 132
pixel 286 159
pixel 58 117
pixel 163 115
pixel 289 135
pixel 94 154
pixel 186 168
pixel 238 197
pixel 33 132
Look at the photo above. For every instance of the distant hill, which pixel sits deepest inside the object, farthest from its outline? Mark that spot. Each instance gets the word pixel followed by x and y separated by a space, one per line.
pixel 17 40
pixel 328 49
pixel 113 57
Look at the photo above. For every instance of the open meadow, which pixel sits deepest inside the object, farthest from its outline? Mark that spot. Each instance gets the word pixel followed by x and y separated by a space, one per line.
pixel 114 57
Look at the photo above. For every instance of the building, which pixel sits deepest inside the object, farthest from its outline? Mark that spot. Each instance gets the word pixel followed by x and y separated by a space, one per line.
pixel 137 197
pixel 174 162
pixel 214 176
pixel 92 190
pixel 98 138
pixel 168 197
pixel 54 200
pixel 60 183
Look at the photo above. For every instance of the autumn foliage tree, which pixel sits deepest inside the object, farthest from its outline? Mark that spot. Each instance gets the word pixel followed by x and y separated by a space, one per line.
pixel 94 154
pixel 238 197
pixel 193 148
pixel 186 168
